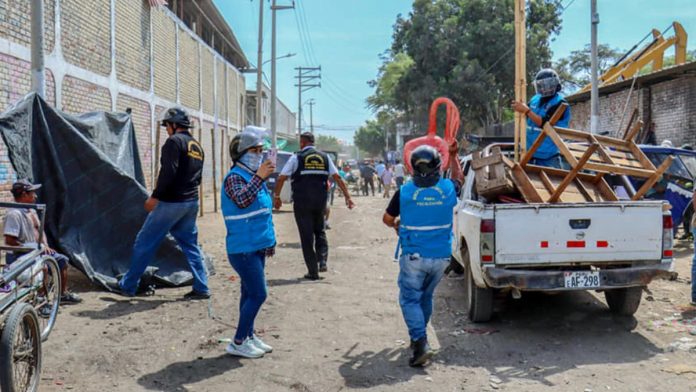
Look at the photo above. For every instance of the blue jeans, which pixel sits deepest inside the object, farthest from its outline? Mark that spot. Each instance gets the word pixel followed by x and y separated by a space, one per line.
pixel 250 267
pixel 179 219
pixel 418 278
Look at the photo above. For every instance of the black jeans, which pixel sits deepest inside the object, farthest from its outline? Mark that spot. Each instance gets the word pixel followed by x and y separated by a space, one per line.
pixel 315 247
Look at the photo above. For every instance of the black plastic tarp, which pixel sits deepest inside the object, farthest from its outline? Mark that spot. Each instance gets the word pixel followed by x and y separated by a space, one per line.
pixel 93 187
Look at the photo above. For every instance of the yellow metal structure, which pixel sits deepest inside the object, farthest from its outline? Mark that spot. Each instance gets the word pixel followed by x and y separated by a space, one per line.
pixel 651 53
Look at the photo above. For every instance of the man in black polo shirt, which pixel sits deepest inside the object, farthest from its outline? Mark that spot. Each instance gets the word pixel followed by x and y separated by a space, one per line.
pixel 173 207
pixel 310 170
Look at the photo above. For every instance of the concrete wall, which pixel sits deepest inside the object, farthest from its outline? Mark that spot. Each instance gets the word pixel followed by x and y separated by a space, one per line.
pixel 118 54
pixel 669 107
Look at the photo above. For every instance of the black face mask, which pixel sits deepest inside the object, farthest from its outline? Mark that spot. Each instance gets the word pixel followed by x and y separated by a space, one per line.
pixel 427 181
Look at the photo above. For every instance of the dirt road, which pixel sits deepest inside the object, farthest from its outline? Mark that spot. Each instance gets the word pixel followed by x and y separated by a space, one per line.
pixel 346 332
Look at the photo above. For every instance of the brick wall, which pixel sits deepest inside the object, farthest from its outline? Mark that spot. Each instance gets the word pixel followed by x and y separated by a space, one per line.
pixel 208 68
pixel 15 22
pixel 86 43
pixel 220 86
pixel 232 96
pixel 670 106
pixel 140 116
pixel 188 71
pixel 15 81
pixel 133 43
pixel 86 34
pixel 164 56
pixel 611 111
pixel 80 96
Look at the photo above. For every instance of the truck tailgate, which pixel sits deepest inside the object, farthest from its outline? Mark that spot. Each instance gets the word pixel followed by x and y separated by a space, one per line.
pixel 561 234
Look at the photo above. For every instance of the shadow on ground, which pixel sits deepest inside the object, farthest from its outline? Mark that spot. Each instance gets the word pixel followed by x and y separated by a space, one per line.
pixel 173 377
pixel 118 308
pixel 533 338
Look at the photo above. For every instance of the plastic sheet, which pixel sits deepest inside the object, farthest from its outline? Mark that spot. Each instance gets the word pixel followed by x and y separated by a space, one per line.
pixel 93 187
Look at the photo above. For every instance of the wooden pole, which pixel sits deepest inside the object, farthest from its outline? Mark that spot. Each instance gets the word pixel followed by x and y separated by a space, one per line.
pixel 201 194
pixel 520 76
pixel 223 159
pixel 215 198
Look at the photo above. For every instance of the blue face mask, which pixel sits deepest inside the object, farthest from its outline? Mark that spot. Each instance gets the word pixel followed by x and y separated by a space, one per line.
pixel 251 160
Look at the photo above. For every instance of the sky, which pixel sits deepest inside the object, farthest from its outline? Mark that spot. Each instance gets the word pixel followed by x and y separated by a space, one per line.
pixel 346 37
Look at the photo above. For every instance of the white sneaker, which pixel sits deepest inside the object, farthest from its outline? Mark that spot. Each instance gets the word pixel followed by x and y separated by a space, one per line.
pixel 247 349
pixel 258 343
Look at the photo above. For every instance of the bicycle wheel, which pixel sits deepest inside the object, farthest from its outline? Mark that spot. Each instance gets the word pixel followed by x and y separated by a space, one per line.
pixel 20 351
pixel 47 299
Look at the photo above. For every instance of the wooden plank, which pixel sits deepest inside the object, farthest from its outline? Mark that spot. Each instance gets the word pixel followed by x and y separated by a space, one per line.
pixel 583 189
pixel 653 179
pixel 201 195
pixel 584 136
pixel 630 135
pixel 547 182
pixel 640 156
pixel 558 172
pixel 520 84
pixel 558 113
pixel 215 193
pixel 605 190
pixel 551 132
pixel 573 173
pixel 614 169
pixel 633 118
pixel 535 146
pixel 524 185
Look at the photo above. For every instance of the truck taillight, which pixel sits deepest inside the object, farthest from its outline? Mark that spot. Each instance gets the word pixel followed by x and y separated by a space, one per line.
pixel 487 241
pixel 667 222
pixel 488 226
pixel 667 238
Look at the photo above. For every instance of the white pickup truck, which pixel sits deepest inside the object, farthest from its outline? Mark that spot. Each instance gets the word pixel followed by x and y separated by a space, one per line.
pixel 614 247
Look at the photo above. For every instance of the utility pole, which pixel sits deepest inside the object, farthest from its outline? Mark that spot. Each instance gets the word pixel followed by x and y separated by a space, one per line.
pixel 38 81
pixel 274 132
pixel 594 95
pixel 520 76
pixel 259 68
pixel 305 76
pixel 311 115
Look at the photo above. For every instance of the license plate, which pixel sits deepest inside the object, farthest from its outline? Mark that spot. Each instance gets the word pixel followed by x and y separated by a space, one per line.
pixel 582 279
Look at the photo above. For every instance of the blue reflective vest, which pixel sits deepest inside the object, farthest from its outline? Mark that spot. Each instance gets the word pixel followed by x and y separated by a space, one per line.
pixel 547 149
pixel 248 229
pixel 426 219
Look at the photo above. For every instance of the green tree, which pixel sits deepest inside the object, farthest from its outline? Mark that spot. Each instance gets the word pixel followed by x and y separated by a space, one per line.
pixel 575 69
pixel 462 49
pixel 370 138
pixel 328 143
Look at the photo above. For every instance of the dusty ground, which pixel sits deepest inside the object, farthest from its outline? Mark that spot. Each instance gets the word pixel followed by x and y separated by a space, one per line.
pixel 346 332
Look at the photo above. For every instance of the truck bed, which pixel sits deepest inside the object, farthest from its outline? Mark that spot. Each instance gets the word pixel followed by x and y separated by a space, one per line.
pixel 586 233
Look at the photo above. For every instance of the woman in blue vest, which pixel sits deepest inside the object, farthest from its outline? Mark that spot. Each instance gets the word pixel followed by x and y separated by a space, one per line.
pixel 246 207
pixel 541 107
pixel 422 211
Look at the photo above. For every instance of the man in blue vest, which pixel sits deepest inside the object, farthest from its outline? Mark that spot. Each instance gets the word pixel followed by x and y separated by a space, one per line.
pixel 310 170
pixel 541 107
pixel 422 213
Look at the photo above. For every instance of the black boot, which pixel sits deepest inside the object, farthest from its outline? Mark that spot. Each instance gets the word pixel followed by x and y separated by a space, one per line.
pixel 421 352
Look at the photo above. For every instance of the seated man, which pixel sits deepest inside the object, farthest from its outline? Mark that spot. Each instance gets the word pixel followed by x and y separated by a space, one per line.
pixel 22 227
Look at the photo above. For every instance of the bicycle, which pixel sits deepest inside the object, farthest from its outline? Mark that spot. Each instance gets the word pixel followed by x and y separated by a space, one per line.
pixel 29 301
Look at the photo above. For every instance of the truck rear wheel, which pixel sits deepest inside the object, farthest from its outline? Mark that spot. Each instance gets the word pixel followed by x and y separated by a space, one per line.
pixel 479 302
pixel 624 301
